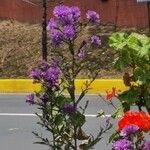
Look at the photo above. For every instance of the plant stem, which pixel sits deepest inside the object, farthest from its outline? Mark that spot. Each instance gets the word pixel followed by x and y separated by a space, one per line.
pixel 72 90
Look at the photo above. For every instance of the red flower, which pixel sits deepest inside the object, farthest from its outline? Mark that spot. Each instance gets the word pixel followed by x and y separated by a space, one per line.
pixel 110 94
pixel 141 119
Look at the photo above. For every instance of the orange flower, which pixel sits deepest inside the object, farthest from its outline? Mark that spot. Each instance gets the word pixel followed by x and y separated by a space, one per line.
pixel 141 119
pixel 110 94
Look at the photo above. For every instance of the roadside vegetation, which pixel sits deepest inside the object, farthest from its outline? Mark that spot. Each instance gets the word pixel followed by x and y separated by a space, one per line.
pixel 20 49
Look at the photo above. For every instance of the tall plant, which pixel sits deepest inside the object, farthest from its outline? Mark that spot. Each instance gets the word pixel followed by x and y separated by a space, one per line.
pixel 62 115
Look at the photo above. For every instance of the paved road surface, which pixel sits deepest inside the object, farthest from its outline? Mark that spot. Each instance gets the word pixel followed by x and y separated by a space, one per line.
pixel 16 126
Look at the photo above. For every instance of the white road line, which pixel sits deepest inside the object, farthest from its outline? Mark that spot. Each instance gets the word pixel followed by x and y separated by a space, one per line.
pixel 15 114
pixel 21 114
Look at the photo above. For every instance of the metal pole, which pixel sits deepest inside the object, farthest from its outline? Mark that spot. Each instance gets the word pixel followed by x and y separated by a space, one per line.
pixel 44 31
pixel 148 10
pixel 117 13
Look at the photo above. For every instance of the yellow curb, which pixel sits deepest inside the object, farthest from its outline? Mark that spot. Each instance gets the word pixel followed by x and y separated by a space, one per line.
pixel 26 85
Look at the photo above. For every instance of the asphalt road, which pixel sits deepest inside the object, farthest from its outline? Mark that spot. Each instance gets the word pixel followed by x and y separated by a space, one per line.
pixel 17 122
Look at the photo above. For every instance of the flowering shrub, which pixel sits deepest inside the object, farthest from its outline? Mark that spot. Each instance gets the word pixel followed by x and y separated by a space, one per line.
pixel 133 52
pixel 130 134
pixel 61 115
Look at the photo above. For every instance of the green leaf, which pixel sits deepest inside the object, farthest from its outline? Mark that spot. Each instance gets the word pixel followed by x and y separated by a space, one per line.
pixel 78 119
pixel 141 45
pixel 58 120
pixel 61 100
pixel 133 43
pixel 130 96
pixel 145 52
pixel 137 72
pixel 118 40
pixel 123 60
pixel 113 136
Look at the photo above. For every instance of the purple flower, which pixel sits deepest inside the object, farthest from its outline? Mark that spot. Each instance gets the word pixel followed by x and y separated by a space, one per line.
pixel 52 24
pixel 146 146
pixel 30 99
pixel 56 38
pixel 95 40
pixel 122 144
pixel 67 15
pixel 81 53
pixel 69 32
pixel 64 14
pixel 44 65
pixel 35 74
pixel 60 11
pixel 130 129
pixel 75 13
pixel 51 76
pixel 93 17
pixel 70 109
pixel 43 97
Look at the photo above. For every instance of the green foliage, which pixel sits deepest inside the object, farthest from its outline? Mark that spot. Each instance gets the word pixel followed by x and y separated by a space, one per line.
pixel 78 119
pixel 134 52
pixel 113 136
pixel 122 61
pixel 130 96
pixel 133 48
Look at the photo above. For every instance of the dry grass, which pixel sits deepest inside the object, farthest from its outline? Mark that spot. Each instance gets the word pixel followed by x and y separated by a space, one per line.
pixel 19 48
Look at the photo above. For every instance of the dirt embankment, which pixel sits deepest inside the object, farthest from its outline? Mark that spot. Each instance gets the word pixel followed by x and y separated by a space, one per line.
pixel 20 49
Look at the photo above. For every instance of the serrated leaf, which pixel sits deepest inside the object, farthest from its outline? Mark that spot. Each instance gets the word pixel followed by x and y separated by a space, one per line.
pixel 145 52
pixel 118 41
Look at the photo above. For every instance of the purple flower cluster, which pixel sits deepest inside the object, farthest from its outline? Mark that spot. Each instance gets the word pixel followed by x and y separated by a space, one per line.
pixel 51 76
pixel 122 144
pixel 35 74
pixel 56 37
pixel 53 23
pixel 66 22
pixel 69 109
pixel 146 145
pixel 30 99
pixel 67 15
pixel 69 32
pixel 46 73
pixel 93 17
pixel 44 66
pixel 128 130
pixel 64 25
pixel 126 134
